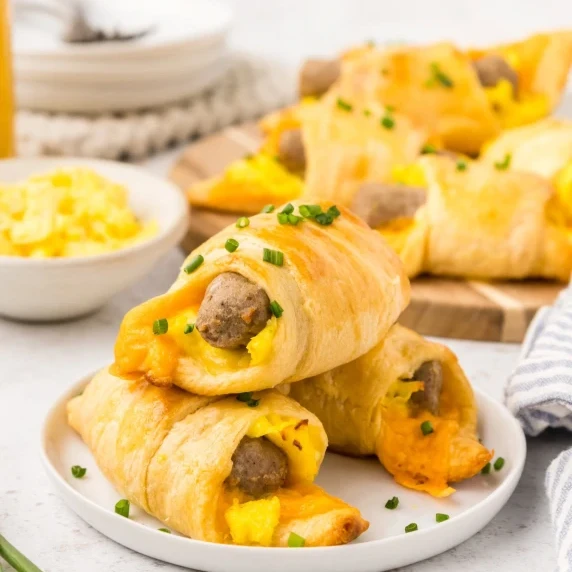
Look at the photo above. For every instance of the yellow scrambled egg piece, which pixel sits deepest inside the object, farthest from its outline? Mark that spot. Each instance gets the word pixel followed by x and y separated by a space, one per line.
pixel 68 212
pixel 218 360
pixel 513 112
pixel 253 522
pixel 411 175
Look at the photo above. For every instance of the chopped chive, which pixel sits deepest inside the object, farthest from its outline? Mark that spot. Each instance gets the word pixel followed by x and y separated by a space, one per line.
pixel 367 112
pixel 427 428
pixel 334 211
pixel 288 209
pixel 344 105
pixel 499 464
pixel 505 163
pixel 428 148
pixel 246 397
pixel 310 211
pixel 122 507
pixel 388 122
pixel 253 403
pixel 439 77
pixel 440 517
pixel 282 218
pixel 296 541
pixel 294 219
pixel 273 256
pixel 461 165
pixel 411 527
pixel 160 326
pixel 242 222
pixel 392 503
pixel 267 208
pixel 276 309
pixel 324 219
pixel 194 264
pixel 78 472
pixel 164 530
pixel 188 328
pixel 486 469
pixel 231 244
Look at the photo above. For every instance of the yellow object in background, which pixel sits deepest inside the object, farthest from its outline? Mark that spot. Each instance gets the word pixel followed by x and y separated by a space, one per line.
pixel 68 212
pixel 6 89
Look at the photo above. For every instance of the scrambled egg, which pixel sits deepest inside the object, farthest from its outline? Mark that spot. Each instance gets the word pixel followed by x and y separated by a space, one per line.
pixel 218 360
pixel 514 112
pixel 68 212
pixel 254 521
pixel 411 175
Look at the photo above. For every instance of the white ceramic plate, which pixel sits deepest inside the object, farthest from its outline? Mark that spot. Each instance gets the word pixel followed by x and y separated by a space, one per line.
pixel 363 483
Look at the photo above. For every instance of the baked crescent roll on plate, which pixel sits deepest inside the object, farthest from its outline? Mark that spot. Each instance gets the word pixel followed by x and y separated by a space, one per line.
pixel 278 297
pixel 227 470
pixel 408 402
pixel 481 221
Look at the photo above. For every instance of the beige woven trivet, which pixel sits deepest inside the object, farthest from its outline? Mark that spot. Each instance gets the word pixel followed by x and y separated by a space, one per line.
pixel 250 88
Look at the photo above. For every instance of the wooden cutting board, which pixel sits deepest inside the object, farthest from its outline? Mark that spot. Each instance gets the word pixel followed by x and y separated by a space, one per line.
pixel 466 309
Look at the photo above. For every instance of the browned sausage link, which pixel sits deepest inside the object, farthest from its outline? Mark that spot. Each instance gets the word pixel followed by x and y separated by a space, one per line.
pixel 258 467
pixel 317 76
pixel 380 203
pixel 233 310
pixel 431 374
pixel 492 68
pixel 291 150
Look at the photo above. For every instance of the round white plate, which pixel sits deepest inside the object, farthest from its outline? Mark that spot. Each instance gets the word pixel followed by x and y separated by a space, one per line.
pixel 363 483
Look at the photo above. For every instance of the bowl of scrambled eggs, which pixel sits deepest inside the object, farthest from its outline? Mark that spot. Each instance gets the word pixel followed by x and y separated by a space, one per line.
pixel 74 232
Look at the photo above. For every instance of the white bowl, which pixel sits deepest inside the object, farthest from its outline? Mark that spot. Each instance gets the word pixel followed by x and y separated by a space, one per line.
pixel 48 289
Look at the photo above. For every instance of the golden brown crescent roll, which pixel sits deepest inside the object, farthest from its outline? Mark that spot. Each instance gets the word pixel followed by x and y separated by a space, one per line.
pixel 288 301
pixel 408 402
pixel 348 143
pixel 483 222
pixel 223 470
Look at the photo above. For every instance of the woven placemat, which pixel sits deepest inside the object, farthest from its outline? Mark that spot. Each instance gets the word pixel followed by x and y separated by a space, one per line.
pixel 250 88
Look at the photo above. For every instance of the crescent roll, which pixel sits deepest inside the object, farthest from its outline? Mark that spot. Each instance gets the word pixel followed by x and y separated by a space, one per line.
pixel 221 470
pixel 287 295
pixel 483 222
pixel 408 402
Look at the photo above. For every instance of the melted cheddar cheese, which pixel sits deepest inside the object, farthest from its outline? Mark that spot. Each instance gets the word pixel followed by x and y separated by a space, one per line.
pixel 254 521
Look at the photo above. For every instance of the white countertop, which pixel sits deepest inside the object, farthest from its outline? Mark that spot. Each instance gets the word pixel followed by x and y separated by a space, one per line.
pixel 38 362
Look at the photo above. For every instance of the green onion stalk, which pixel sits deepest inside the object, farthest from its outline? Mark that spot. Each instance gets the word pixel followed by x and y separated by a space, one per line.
pixel 15 558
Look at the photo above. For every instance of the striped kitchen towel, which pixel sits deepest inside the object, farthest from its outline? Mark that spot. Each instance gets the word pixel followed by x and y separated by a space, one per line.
pixel 539 393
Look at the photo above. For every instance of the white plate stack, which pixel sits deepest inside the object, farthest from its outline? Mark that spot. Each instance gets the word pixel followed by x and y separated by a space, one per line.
pixel 184 53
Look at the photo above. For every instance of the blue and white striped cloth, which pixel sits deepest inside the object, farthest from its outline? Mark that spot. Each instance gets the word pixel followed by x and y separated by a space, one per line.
pixel 539 393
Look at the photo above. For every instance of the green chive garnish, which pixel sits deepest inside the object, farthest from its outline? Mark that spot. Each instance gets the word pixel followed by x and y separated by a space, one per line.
pixel 486 469
pixel 273 256
pixel 244 397
pixel 188 328
pixel 267 209
pixel 310 211
pixel 253 403
pixel 334 211
pixel 344 105
pixel 276 309
pixel 411 527
pixel 461 166
pixel 499 464
pixel 324 219
pixel 194 264
pixel 439 77
pixel 242 222
pixel 367 112
pixel 122 507
pixel 440 517
pixel 231 244
pixel 15 558
pixel 428 148
pixel 78 472
pixel 296 541
pixel 392 503
pixel 164 530
pixel 288 209
pixel 427 428
pixel 505 163
pixel 160 326
pixel 282 218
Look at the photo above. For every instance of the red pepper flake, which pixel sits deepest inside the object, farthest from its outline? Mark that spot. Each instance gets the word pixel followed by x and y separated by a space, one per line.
pixel 302 423
pixel 297 444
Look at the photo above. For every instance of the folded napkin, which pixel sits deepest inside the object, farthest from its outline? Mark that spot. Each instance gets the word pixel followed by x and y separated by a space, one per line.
pixel 539 393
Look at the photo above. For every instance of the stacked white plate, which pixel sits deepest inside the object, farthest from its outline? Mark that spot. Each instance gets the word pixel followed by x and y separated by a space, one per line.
pixel 185 53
